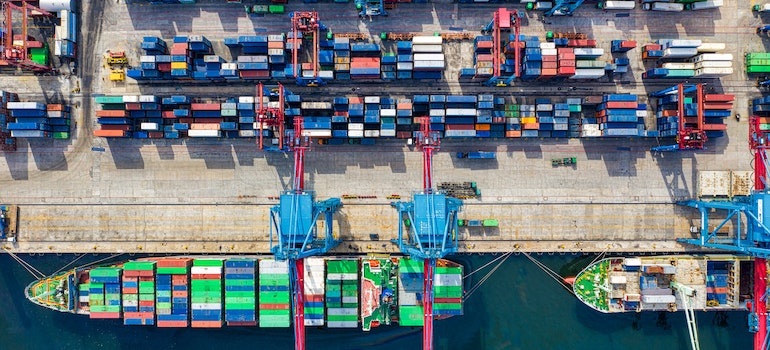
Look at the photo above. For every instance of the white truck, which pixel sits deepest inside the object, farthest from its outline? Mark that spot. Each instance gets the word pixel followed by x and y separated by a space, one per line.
pixel 617 5
pixel 705 5
pixel 663 6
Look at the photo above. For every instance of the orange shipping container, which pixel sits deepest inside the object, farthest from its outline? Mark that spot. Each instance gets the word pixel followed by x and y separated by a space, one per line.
pixel 670 112
pixel 404 106
pixel 513 133
pixel 204 126
pixel 531 126
pixel 715 127
pixel 109 133
pixel 275 45
pixel 482 126
pixel 549 58
pixel 55 107
pixel 548 71
pixel 111 114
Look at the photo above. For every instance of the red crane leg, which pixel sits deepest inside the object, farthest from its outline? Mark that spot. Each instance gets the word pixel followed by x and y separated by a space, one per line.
pixel 760 306
pixel 427 331
pixel 299 305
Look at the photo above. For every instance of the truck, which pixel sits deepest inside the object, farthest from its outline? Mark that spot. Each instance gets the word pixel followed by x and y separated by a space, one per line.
pixel 616 5
pixel 705 5
pixel 8 222
pixel 664 6
pixel 476 155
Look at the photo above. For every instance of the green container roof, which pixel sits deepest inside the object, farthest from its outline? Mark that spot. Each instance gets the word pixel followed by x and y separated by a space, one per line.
pixel 410 316
pixel 208 262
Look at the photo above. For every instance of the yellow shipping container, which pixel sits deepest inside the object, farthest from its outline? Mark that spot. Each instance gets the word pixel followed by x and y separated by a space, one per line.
pixel 528 120
pixel 178 65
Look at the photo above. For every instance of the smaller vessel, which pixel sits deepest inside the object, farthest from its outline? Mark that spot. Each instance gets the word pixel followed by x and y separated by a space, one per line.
pixel 634 284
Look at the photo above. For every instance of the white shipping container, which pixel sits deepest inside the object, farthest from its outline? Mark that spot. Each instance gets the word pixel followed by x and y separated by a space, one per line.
pixel 84 299
pixel 316 105
pixel 149 126
pixel 341 276
pixel 388 133
pixel 356 126
pixel 712 72
pixel 246 99
pixel 448 280
pixel 372 99
pixel 205 306
pixel 270 263
pixel 206 270
pixel 582 51
pixel 588 73
pixel 203 133
pixel 147 59
pixel 428 65
pixel 658 299
pixel 693 43
pixel 404 66
pixel 130 99
pixel 275 37
pixel 130 302
pixel 387 112
pixel 667 6
pixel 147 98
pixel 678 65
pixel 680 52
pixel 247 133
pixel 461 112
pixel 544 107
pixel 338 311
pixel 547 45
pixel 549 52
pixel 712 57
pixel 317 133
pixel 229 66
pixel 25 105
pixel 427 40
pixel 428 57
pixel 714 64
pixel 543 5
pixel 371 133
pixel 710 4
pixel 641 113
pixel 356 134
pixel 619 5
pixel 427 48
pixel 527 108
pixel 618 279
pixel 437 112
pixel 57 48
pixel 314 322
pixel 460 133
pixel 275 52
pixel 711 47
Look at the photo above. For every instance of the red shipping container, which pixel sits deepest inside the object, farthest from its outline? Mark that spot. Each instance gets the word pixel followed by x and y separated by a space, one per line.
pixel 314 298
pixel 146 303
pixel 273 306
pixel 155 134
pixel 178 52
pixel 548 65
pixel 715 127
pixel 717 105
pixel 206 324
pixel 275 45
pixel 459 127
pixel 447 300
pixel 186 121
pixel 531 126
pixel 563 50
pixel 109 133
pixel 34 44
pixel 167 114
pixel 484 44
pixel 355 100
pixel 403 134
pixel 566 71
pixel 254 74
pixel 628 44
pixel 130 291
pixel 204 107
pixel 567 63
pixel 206 276
pixel 130 275
pixel 111 114
pixel 164 67
pixel 484 57
pixel 104 315
pixel 133 106
pixel 173 262
pixel 179 293
pixel 208 120
pixel 143 315
pixel 649 47
pixel 549 58
pixel 172 324
pixel 241 323
pixel 669 112
pixel 719 98
pixel 55 107
pixel 617 104
pixel 567 56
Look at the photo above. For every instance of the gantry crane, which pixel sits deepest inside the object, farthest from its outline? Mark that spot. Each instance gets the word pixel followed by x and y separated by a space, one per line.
pixel 690 135
pixel 293 221
pixel 306 23
pixel 564 8
pixel 270 116
pixel 502 21
pixel 431 222
pixel 18 55
pixel 371 8
pixel 754 239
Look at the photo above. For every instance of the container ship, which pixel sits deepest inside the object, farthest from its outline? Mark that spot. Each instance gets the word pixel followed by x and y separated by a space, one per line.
pixel 648 283
pixel 206 292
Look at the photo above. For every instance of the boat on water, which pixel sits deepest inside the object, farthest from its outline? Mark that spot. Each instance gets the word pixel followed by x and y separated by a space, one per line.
pixel 209 292
pixel 649 283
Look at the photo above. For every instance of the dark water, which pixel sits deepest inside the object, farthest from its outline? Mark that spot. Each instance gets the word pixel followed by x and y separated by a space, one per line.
pixel 519 307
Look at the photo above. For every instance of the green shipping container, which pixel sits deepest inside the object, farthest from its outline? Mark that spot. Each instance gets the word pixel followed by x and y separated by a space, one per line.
pixel 240 300
pixel 84 286
pixel 276 9
pixel 241 306
pixel 60 135
pixel 163 305
pixel 314 310
pixel 131 297
pixel 342 266
pixel 108 99
pixel 273 298
pixel 207 262
pixel 449 270
pixel 239 282
pixel 105 272
pixel 172 271
pixel 341 318
pixel 410 316
pixel 164 293
pixel 764 127
pixel 263 312
pixel 760 55
pixel 146 296
pixel 448 290
pixel 758 69
pixel 452 306
pixel 98 308
pixel 139 265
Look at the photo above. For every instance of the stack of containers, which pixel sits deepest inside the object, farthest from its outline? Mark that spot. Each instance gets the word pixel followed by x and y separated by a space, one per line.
pixel 254 67
pixel 274 294
pixel 529 121
pixel 83 295
pixel 139 293
pixel 712 65
pixel 590 123
pixel 7 142
pixel 437 113
pixel 66 34
pixel 206 293
pixel 356 118
pixel 276 55
pixel 420 109
pixel 254 44
pixel 575 113
pixel 586 64
pixel 371 116
pixel 617 115
pixel 675 49
pixel 512 119
pixel 716 107
pixel 326 60
pixel 315 287
pixel 342 293
pixel 28 119
pixel 510 49
pixel 200 47
pixel 717 277
pixel 104 292
pixel 365 61
pixel 544 114
pixel 761 108
pixel 247 126
pixel 482 56
pixel 181 58
pixel 112 117
pixel 176 116
pixel 388 66
pixel 229 124
pixel 548 68
pixel 652 51
pixel 213 66
pixel 340 118
pixel 172 292
pixel 404 118
pixel 533 58
pixel 758 62
pixel 566 61
pixel 561 115
pixel 410 292
pixel 448 291
pixel 146 112
pixel 153 47
pixel 240 293
pixel 342 58
pixel 622 46
pixel 404 63
pixel 207 119
pixel 428 57
pixel 387 117
pixel 490 107
pixel 317 120
pixel 463 120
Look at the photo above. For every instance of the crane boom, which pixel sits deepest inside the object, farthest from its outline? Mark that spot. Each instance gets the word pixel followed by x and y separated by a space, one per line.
pixel 685 293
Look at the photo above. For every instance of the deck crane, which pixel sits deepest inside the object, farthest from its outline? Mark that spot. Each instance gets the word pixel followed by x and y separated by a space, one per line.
pixel 293 221
pixel 754 239
pixel 431 222
pixel 685 293
pixel 18 55
pixel 564 8
pixel 689 135
pixel 269 115
pixel 503 20
pixel 306 23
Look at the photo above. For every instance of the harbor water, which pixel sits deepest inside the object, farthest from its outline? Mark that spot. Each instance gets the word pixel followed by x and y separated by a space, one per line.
pixel 518 307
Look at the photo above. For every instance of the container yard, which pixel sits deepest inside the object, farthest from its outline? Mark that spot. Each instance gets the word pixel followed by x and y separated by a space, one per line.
pixel 285 141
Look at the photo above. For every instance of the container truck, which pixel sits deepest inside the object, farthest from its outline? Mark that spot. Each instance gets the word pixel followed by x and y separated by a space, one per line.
pixel 705 5
pixel 617 5
pixel 664 6
pixel 476 155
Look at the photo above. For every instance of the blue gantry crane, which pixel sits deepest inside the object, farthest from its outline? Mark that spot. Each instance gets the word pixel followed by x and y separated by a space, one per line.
pixel 502 21
pixel 293 223
pixel 690 133
pixel 564 8
pixel 430 220
pixel 754 238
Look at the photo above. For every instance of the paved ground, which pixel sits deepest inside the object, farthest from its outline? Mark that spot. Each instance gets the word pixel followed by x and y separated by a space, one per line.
pixel 214 196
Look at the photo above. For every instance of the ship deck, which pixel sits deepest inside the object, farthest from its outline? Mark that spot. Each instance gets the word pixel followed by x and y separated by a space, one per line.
pixel 213 196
